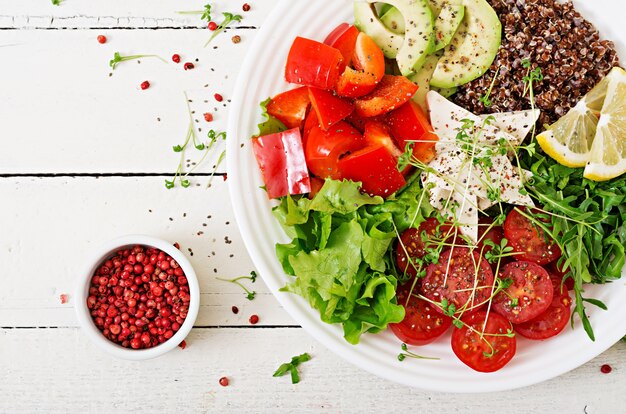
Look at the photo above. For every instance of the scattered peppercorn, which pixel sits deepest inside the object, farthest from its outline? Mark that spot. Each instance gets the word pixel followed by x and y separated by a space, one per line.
pixel 606 369
pixel 236 39
pixel 235 310
pixel 145 85
pixel 176 58
pixel 254 319
pixel 218 97
pixel 177 245
pixel 245 7
pixel 102 39
pixel 182 345
pixel 208 117
pixel 189 66
pixel 212 26
pixel 224 382
pixel 64 298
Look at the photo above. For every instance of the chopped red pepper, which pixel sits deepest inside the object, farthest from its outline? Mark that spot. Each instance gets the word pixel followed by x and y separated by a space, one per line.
pixel 312 63
pixel 329 108
pixel 375 168
pixel 290 107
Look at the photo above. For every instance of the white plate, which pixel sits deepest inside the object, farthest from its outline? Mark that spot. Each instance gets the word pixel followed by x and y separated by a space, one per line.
pixel 262 76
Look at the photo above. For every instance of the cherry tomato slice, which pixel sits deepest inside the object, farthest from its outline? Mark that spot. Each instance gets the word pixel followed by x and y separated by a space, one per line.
pixel 312 63
pixel 422 324
pixel 413 243
pixel 290 107
pixel 528 240
pixel 390 93
pixel 487 231
pixel 329 108
pixel 487 352
pixel 528 296
pixel 551 322
pixel 462 277
pixel 324 148
pixel 369 68
pixel 408 124
pixel 343 37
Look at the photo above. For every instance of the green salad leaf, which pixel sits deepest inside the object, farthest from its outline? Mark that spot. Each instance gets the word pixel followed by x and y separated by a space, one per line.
pixel 270 125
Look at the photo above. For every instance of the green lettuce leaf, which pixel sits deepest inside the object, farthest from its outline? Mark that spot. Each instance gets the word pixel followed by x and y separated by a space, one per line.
pixel 270 125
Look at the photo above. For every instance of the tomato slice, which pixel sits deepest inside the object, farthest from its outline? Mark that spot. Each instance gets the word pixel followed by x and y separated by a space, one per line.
pixel 324 148
pixel 529 241
pixel 375 167
pixel 462 277
pixel 281 160
pixel 487 231
pixel 312 63
pixel 487 352
pixel 390 93
pixel 551 322
pixel 329 108
pixel 408 124
pixel 290 107
pixel 343 37
pixel 413 243
pixel 422 324
pixel 369 63
pixel 528 296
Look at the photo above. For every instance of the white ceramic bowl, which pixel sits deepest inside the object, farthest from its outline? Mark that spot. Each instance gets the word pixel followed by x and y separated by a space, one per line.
pixel 103 253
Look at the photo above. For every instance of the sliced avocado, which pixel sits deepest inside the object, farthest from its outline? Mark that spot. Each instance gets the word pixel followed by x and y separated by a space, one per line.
pixel 419 39
pixel 422 79
pixel 436 6
pixel 366 20
pixel 394 20
pixel 473 47
pixel 445 92
pixel 447 23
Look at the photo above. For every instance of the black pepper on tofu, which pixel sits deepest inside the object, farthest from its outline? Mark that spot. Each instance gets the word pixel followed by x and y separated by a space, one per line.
pixel 552 36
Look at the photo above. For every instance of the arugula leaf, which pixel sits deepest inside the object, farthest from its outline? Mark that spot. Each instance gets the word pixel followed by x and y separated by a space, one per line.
pixel 270 125
pixel 291 367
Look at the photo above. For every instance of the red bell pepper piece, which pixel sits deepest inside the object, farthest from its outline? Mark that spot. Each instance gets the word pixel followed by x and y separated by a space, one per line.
pixel 409 123
pixel 312 63
pixel 329 108
pixel 343 38
pixel 369 68
pixel 390 93
pixel 290 107
pixel 324 148
pixel 281 160
pixel 375 168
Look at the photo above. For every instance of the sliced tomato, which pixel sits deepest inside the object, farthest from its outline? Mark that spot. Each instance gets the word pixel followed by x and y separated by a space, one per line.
pixel 551 322
pixel 390 93
pixel 529 240
pixel 312 63
pixel 528 296
pixel 290 107
pixel 413 243
pixel 422 324
pixel 409 124
pixel 316 185
pixel 343 37
pixel 369 68
pixel 329 108
pixel 375 167
pixel 462 277
pixel 281 159
pixel 377 133
pixel 486 347
pixel 324 148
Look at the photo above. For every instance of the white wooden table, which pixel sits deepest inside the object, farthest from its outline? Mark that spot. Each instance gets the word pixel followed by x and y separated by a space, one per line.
pixel 83 157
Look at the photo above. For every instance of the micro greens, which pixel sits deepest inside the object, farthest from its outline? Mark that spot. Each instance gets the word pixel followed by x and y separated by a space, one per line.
pixel 57 2
pixel 485 98
pixel 292 367
pixel 117 59
pixel 228 18
pixel 206 13
pixel 408 354
pixel 250 294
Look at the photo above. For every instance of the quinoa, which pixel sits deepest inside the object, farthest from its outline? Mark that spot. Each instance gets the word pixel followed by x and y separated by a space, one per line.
pixel 552 36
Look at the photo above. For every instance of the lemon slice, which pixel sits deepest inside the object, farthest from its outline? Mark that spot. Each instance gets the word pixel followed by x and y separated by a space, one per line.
pixel 569 139
pixel 608 152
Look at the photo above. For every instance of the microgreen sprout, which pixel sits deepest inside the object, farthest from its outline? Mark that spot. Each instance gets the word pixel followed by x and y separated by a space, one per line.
pixel 408 354
pixel 117 59
pixel 485 98
pixel 249 294
pixel 292 367
pixel 228 18
pixel 206 13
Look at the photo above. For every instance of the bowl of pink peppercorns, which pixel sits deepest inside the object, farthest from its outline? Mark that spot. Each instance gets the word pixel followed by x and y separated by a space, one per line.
pixel 138 297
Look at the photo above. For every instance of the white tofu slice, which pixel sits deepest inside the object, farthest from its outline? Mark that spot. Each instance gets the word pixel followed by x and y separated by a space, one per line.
pixel 517 124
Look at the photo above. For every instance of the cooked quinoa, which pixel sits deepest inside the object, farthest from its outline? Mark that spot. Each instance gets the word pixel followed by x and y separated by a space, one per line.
pixel 552 36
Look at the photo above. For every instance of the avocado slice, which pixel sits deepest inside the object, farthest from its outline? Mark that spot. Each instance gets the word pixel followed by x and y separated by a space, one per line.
pixel 366 20
pixel 445 92
pixel 422 79
pixel 394 20
pixel 473 47
pixel 447 22
pixel 419 39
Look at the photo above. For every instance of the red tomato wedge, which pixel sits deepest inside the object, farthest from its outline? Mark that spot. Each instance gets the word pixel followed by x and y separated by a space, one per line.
pixel 377 133
pixel 369 68
pixel 290 107
pixel 462 277
pixel 343 38
pixel 324 148
pixel 413 243
pixel 312 63
pixel 487 352
pixel 408 124
pixel 329 108
pixel 528 240
pixel 375 168
pixel 529 295
pixel 551 322
pixel 422 324
pixel 390 93
pixel 281 160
